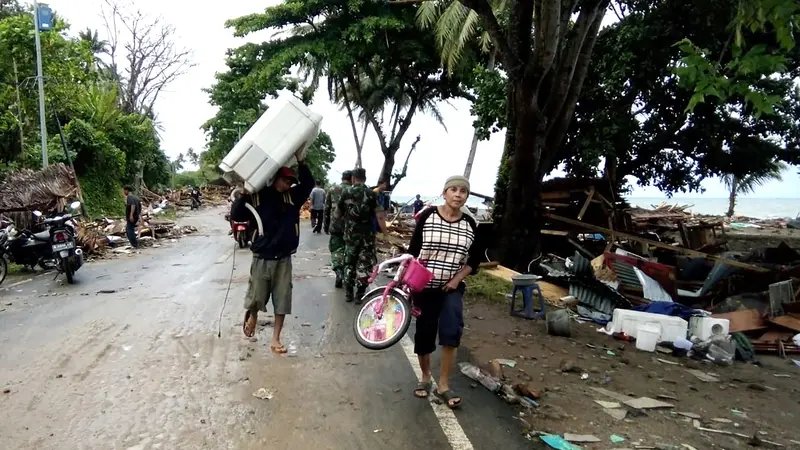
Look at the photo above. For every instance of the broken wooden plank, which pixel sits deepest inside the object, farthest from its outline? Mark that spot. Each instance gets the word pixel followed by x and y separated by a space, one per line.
pixel 744 320
pixel 611 394
pixel 647 403
pixel 702 376
pixel 586 203
pixel 661 245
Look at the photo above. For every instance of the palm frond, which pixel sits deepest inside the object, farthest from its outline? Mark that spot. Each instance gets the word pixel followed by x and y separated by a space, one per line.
pixel 748 183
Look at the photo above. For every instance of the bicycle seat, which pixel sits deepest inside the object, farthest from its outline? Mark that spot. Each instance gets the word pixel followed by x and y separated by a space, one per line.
pixel 42 235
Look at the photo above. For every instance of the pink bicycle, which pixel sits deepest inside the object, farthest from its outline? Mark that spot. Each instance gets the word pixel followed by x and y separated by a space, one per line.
pixel 386 313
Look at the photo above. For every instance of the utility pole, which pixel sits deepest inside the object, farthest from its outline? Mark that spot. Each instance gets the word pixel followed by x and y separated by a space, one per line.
pixel 40 80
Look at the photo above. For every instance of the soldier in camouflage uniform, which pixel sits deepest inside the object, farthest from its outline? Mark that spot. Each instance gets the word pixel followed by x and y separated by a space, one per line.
pixel 336 227
pixel 359 207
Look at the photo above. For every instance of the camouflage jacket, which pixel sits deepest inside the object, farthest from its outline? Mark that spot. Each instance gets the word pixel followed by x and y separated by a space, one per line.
pixel 357 207
pixel 330 223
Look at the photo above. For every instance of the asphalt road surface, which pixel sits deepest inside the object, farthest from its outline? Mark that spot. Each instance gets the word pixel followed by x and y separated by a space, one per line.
pixel 129 358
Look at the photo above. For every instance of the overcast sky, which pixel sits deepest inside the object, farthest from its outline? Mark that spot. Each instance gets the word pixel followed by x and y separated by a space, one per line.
pixel 440 153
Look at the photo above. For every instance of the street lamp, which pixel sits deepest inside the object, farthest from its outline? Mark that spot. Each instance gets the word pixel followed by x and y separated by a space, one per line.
pixel 239 126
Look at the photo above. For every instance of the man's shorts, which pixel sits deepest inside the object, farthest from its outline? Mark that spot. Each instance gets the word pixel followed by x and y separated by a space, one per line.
pixel 270 278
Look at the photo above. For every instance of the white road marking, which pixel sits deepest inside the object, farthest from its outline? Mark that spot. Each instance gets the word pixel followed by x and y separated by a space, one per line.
pixel 447 419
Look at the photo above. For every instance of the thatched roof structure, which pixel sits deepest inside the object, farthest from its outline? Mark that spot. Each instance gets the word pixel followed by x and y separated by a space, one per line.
pixel 46 190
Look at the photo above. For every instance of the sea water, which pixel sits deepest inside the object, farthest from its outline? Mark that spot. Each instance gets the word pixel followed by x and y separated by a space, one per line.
pixel 761 208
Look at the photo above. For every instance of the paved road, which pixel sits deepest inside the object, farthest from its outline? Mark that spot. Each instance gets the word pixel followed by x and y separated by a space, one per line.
pixel 142 367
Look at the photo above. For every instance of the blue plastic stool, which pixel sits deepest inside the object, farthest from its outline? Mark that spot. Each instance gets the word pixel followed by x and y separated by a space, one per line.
pixel 527 302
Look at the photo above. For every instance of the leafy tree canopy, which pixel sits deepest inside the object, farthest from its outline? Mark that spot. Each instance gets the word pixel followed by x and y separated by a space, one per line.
pixel 374 57
pixel 633 107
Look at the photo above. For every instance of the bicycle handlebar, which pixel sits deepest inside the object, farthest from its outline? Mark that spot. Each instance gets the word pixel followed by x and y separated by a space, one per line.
pixel 396 260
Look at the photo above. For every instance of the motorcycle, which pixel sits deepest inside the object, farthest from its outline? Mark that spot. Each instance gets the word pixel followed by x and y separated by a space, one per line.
pixel 68 257
pixel 54 247
pixel 241 232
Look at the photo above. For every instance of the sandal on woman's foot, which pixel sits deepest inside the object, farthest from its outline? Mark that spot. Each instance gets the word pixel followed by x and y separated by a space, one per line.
pixel 278 348
pixel 449 398
pixel 247 329
pixel 423 389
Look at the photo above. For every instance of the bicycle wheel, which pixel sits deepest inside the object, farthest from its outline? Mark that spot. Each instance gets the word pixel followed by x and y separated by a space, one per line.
pixel 380 333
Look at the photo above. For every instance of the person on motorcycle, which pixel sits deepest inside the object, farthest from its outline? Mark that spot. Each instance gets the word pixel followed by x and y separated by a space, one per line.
pixel 278 207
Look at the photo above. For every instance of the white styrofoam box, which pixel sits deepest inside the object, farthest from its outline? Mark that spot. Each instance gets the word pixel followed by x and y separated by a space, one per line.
pixel 706 327
pixel 286 127
pixel 628 322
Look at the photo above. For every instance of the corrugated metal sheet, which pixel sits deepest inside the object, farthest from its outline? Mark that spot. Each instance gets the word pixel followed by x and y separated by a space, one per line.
pixel 597 295
pixel 625 274
pixel 581 266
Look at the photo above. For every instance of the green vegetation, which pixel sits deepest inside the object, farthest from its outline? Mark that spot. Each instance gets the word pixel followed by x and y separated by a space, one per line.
pixel 110 142
pixel 485 286
pixel 377 64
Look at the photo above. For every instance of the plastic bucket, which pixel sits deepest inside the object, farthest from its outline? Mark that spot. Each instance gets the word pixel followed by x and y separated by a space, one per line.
pixel 647 337
pixel 416 276
pixel 557 323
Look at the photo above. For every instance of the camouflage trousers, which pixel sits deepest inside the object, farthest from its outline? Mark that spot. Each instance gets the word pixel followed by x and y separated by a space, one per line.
pixel 359 259
pixel 336 246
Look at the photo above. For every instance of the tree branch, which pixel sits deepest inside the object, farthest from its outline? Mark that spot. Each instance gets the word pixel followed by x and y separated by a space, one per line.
pixel 496 32
pixel 547 42
pixel 556 132
pixel 588 22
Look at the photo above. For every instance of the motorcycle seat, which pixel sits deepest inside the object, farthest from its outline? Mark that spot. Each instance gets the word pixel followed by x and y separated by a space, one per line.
pixel 42 235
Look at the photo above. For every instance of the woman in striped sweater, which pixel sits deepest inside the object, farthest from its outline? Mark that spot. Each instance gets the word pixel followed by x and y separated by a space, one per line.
pixel 443 242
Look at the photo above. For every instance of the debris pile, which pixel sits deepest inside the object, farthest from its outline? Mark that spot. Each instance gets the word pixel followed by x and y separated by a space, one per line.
pixel 96 237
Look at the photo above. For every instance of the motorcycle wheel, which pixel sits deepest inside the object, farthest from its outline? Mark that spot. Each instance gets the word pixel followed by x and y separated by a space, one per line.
pixel 67 267
pixel 3 269
pixel 242 238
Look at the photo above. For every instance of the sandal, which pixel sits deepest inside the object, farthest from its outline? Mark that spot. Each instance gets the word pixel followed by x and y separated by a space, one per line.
pixel 279 349
pixel 252 332
pixel 423 389
pixel 448 396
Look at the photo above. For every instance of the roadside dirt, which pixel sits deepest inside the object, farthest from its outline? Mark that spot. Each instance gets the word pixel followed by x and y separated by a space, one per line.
pixel 748 399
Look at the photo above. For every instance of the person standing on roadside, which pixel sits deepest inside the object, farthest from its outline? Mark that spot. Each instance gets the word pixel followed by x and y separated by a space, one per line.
pixel 443 240
pixel 335 227
pixel 418 205
pixel 278 207
pixel 133 210
pixel 359 208
pixel 317 207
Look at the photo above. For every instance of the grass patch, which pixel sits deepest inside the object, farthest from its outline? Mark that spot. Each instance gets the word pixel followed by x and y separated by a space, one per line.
pixel 16 269
pixel 485 286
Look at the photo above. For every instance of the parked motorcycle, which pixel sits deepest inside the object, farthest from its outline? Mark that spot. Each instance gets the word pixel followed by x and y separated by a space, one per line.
pixel 68 257
pixel 54 247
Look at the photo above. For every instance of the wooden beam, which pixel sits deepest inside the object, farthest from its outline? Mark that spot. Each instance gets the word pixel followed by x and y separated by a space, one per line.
pixel 685 251
pixel 555 232
pixel 586 204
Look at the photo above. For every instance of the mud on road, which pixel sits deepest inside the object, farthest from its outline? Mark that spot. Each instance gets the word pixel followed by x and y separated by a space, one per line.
pixel 129 358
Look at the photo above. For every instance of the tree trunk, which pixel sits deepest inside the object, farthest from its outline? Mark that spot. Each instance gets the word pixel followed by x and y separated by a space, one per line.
pixel 732 197
pixel 388 166
pixel 610 174
pixel 520 229
pixel 474 146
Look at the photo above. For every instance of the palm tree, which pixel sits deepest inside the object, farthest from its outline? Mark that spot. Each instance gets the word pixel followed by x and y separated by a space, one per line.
pixel 96 45
pixel 456 26
pixel 738 185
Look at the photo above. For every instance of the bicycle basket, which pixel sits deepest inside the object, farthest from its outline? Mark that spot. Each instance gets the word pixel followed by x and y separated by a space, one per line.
pixel 416 276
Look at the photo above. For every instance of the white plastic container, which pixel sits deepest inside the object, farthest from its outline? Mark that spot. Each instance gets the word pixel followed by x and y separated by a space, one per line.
pixel 647 337
pixel 286 127
pixel 707 327
pixel 628 321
